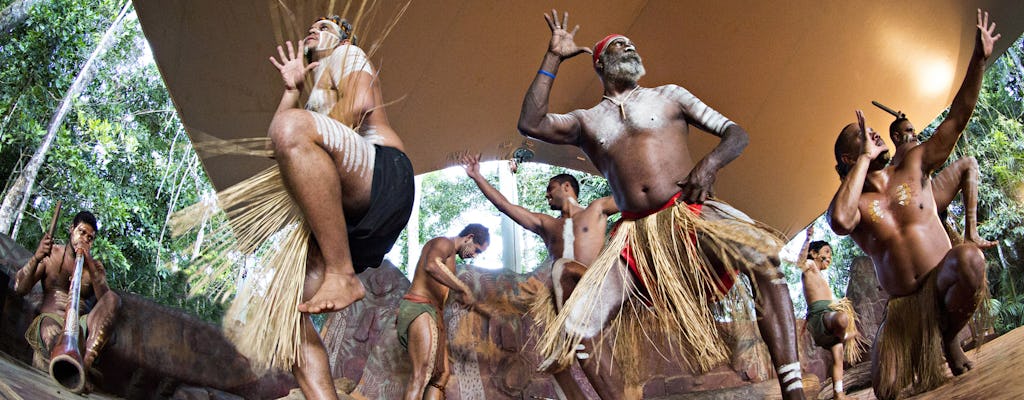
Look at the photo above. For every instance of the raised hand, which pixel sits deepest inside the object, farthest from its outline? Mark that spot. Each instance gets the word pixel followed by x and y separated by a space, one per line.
pixel 985 40
pixel 293 72
pixel 867 138
pixel 562 43
pixel 472 165
pixel 45 245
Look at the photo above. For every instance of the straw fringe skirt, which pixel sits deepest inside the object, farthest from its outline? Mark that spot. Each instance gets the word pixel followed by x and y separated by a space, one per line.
pixel 267 229
pixel 679 285
pixel 853 346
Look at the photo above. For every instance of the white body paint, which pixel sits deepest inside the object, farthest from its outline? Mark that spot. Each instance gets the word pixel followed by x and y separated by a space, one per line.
pixel 791 373
pixel 568 240
pixel 357 150
pixel 705 117
pixel 838 387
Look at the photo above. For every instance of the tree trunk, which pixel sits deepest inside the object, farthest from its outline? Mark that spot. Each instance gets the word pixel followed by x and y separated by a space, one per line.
pixel 14 201
pixel 16 13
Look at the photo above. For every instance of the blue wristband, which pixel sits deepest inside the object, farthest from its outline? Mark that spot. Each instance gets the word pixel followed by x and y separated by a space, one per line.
pixel 546 73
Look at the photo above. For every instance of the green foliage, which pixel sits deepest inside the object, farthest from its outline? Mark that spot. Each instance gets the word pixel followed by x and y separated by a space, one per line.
pixel 121 153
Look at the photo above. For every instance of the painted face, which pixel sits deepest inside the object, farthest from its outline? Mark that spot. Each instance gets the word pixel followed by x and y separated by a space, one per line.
pixel 323 35
pixel 472 249
pixel 622 62
pixel 823 257
pixel 82 236
pixel 904 134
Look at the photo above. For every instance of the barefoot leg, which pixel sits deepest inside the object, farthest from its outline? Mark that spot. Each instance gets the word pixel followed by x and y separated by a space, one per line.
pixel 961 274
pixel 423 349
pixel 99 322
pixel 328 190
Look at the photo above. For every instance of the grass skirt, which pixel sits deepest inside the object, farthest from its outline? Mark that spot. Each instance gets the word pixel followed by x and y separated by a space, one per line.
pixel 671 249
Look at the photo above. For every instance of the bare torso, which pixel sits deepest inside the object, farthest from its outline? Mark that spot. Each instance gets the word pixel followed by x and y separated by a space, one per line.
pixel 643 155
pixel 589 225
pixel 899 227
pixel 815 286
pixel 59 269
pixel 365 108
pixel 425 285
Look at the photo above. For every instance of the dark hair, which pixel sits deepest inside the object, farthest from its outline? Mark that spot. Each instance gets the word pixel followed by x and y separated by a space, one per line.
pixel 847 137
pixel 895 125
pixel 816 245
pixel 86 218
pixel 563 178
pixel 480 233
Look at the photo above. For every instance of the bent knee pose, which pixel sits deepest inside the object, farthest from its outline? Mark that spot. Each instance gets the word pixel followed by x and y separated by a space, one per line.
pixel 344 166
pixel 832 323
pixel 573 240
pixel 890 212
pixel 53 265
pixel 420 323
pixel 637 138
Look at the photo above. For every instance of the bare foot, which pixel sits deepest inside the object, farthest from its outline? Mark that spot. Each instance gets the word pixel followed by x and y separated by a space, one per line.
pixel 337 292
pixel 955 357
pixel 979 241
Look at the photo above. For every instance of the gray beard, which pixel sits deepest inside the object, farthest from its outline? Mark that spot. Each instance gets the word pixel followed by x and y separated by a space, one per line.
pixel 628 68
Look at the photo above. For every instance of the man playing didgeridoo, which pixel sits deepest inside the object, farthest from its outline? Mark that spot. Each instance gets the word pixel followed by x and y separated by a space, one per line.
pixel 890 212
pixel 573 241
pixel 53 265
pixel 420 322
pixel 650 279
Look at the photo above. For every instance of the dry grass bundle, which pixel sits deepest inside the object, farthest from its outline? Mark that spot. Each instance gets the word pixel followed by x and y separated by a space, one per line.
pixel 681 284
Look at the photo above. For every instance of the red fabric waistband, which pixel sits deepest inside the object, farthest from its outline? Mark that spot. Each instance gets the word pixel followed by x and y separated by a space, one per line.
pixel 671 202
pixel 415 298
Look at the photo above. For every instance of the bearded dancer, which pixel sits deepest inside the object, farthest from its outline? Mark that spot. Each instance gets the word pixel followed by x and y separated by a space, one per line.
pixel 349 185
pixel 890 212
pixel 650 274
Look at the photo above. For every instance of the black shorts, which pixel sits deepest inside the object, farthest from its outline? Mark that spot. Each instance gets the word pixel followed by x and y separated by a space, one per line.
pixel 391 199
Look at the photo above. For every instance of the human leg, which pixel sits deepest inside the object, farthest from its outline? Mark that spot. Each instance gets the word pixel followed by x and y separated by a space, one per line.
pixel 775 318
pixel 313 370
pixel 837 371
pixel 99 322
pixel 328 187
pixel 423 348
pixel 961 176
pixel 960 280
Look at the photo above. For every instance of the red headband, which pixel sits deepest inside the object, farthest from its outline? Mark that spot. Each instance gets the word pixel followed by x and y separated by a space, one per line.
pixel 599 47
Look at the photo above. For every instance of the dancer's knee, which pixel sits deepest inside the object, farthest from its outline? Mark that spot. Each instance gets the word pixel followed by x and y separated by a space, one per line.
pixel 969 265
pixel 286 129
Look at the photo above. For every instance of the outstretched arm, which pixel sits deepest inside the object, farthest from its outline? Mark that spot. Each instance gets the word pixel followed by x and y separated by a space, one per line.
pixel 607 206
pixel 844 213
pixel 733 139
pixel 937 149
pixel 532 221
pixel 534 120
pixel 35 268
pixel 293 72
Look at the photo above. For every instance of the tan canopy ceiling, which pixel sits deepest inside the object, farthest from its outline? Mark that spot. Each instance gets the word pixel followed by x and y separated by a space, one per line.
pixel 791 73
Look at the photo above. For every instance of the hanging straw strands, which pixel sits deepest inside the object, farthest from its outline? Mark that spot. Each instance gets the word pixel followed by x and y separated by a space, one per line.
pixel 266 229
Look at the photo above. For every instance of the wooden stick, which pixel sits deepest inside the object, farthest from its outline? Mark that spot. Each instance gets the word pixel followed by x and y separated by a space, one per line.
pixel 897 114
pixel 56 215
